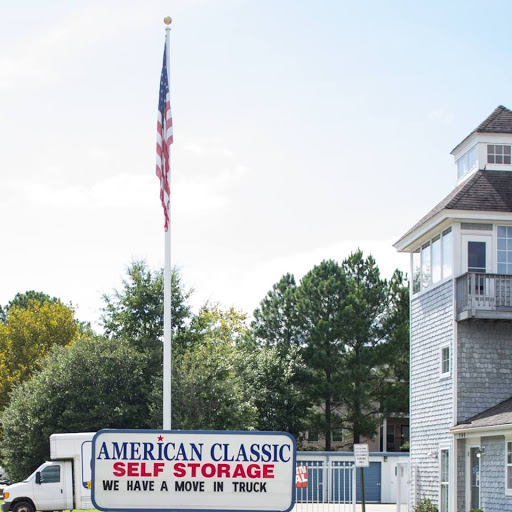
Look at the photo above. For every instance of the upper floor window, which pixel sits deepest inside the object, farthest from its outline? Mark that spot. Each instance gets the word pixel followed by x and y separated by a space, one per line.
pixel 498 154
pixel 432 261
pixel 445 361
pixel 467 162
pixel 505 250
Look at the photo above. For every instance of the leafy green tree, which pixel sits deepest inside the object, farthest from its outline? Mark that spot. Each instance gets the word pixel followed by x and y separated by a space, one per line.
pixel 93 384
pixel 365 341
pixel 275 384
pixel 135 313
pixel 208 388
pixel 321 311
pixel 276 320
pixel 393 395
pixel 30 330
pixel 22 300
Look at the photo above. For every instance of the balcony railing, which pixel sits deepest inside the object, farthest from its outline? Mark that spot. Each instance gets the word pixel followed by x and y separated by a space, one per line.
pixel 484 296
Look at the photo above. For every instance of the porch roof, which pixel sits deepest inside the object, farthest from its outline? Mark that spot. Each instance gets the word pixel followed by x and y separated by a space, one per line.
pixel 499 415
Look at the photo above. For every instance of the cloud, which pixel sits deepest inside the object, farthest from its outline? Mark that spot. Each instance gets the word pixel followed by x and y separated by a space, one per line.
pixel 442 115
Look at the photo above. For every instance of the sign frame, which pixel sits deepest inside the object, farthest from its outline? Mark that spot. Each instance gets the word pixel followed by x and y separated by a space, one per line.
pixel 224 436
pixel 361 455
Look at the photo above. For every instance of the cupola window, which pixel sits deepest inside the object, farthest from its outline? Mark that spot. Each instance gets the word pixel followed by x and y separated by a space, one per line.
pixel 467 162
pixel 498 154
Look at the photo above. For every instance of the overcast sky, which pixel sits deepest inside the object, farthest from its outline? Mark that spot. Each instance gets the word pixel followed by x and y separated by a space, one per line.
pixel 302 131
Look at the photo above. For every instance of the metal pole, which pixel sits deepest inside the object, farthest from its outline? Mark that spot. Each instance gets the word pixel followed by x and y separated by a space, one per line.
pixel 167 359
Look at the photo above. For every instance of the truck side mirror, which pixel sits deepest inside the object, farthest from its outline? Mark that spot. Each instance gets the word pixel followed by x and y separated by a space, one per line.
pixel 38 478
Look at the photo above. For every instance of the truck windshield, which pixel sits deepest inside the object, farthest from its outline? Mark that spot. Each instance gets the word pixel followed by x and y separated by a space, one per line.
pixel 32 476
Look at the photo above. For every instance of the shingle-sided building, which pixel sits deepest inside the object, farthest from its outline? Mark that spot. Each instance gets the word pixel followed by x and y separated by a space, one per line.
pixel 461 331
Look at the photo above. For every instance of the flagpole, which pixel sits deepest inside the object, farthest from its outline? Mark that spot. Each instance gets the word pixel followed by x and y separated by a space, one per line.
pixel 167 359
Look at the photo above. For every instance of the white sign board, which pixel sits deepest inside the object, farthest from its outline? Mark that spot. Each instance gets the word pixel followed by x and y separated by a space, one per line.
pixel 193 470
pixel 361 456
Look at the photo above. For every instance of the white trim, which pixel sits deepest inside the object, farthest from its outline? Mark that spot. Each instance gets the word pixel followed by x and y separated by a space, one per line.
pixel 448 448
pixel 468 473
pixel 448 374
pixel 468 433
pixel 442 220
pixel 508 439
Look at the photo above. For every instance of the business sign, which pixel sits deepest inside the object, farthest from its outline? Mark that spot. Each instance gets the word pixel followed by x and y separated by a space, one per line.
pixel 193 470
pixel 361 456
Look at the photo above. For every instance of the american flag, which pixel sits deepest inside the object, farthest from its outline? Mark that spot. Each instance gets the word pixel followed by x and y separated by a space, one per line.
pixel 164 141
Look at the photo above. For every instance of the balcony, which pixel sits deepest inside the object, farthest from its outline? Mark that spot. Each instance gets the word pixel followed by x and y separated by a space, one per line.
pixel 486 296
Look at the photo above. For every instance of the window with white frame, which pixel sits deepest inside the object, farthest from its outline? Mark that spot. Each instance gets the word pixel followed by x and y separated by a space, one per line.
pixel 498 154
pixel 467 162
pixel 444 461
pixel 445 361
pixel 505 250
pixel 508 468
pixel 433 261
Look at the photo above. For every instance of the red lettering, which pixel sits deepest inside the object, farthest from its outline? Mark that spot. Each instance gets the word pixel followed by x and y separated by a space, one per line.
pixel 133 469
pixel 193 466
pixel 208 470
pixel 223 470
pixel 253 471
pixel 158 467
pixel 119 469
pixel 180 470
pixel 239 471
pixel 143 471
pixel 268 470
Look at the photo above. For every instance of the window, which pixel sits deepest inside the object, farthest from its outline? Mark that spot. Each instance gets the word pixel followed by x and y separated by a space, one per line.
pixel 436 259
pixel 508 487
pixel 445 480
pixel 505 250
pixel 433 261
pixel 337 434
pixel 498 154
pixel 416 271
pixel 447 252
pixel 312 435
pixel 467 163
pixel 476 257
pixel 445 361
pixel 425 266
pixel 50 475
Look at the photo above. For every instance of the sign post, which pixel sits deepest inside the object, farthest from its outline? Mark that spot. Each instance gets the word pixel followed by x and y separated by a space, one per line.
pixel 144 470
pixel 362 460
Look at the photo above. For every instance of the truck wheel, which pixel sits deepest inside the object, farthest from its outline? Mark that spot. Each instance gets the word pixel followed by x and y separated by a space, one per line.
pixel 23 506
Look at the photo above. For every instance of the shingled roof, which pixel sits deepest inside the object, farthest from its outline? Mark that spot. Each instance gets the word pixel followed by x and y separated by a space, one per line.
pixel 488 191
pixel 496 416
pixel 500 121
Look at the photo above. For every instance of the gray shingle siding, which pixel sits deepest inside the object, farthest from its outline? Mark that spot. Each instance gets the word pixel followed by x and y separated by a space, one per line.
pixel 492 476
pixel 484 356
pixel 461 473
pixel 432 322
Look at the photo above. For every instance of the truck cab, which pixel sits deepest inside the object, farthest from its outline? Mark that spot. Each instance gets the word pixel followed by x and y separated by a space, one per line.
pixel 50 487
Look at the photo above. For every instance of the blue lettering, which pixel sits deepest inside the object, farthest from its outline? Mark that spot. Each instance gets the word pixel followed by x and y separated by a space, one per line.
pixel 213 450
pixel 103 451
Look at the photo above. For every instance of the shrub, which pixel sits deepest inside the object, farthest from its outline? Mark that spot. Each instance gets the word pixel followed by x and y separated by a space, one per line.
pixel 425 505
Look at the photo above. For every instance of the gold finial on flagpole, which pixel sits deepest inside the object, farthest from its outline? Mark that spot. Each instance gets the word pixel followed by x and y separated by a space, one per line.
pixel 167 20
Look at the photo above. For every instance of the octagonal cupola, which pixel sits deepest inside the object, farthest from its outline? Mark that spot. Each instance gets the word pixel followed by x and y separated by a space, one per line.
pixel 488 147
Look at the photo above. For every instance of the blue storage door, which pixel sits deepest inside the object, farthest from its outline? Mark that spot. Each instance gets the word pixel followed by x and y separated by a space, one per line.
pixel 313 493
pixel 341 486
pixel 372 481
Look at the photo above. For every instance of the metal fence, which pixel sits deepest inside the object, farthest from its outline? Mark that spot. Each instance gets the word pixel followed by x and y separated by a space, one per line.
pixel 330 487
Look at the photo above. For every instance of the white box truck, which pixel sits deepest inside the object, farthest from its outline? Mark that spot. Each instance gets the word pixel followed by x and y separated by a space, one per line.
pixel 64 483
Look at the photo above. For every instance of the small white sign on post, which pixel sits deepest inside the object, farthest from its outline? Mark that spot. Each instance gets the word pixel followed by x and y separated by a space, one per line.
pixel 361 455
